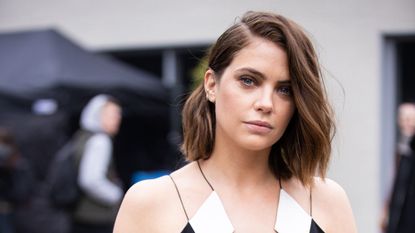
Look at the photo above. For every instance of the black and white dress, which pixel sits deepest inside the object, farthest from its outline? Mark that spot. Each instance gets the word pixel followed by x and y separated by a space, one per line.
pixel 211 216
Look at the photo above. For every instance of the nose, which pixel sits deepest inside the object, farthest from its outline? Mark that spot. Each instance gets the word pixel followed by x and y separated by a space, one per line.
pixel 264 103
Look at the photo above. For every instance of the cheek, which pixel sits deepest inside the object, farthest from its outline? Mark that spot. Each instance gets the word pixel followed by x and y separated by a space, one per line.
pixel 111 122
pixel 291 108
pixel 115 121
pixel 229 103
pixel 284 113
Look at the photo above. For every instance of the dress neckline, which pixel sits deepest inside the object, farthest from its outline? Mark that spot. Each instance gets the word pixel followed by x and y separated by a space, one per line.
pixel 211 216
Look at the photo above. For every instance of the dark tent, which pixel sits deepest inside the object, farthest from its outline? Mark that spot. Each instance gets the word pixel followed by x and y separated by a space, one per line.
pixel 42 70
pixel 39 64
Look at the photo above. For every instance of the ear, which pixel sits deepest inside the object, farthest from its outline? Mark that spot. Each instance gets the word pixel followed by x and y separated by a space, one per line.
pixel 210 85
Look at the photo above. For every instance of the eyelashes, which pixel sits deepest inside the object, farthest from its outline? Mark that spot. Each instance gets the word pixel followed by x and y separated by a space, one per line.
pixel 285 90
pixel 248 81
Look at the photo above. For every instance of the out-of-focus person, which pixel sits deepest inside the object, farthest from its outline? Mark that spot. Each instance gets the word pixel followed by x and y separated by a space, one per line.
pixel 397 216
pixel 16 180
pixel 102 190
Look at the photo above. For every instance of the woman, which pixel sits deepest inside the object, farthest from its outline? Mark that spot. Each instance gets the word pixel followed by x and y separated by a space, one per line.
pixel 255 134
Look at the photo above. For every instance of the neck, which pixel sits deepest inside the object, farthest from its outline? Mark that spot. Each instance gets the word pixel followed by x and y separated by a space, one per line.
pixel 240 168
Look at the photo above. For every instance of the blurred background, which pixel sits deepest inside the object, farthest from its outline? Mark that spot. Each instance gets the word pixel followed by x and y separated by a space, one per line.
pixel 55 55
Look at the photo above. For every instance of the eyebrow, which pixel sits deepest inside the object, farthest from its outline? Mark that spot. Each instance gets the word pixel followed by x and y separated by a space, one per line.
pixel 261 75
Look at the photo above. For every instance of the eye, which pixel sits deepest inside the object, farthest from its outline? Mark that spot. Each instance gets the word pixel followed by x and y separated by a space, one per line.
pixel 285 90
pixel 247 80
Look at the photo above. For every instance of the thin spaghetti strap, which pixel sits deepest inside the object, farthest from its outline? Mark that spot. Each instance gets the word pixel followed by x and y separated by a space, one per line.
pixel 311 203
pixel 180 197
pixel 203 174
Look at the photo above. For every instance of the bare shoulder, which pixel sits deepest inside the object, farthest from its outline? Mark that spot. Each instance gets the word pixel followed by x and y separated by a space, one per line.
pixel 147 203
pixel 328 188
pixel 148 193
pixel 331 207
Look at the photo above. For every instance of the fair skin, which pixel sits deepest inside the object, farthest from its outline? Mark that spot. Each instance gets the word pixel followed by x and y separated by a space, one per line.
pixel 253 105
pixel 111 118
pixel 406 119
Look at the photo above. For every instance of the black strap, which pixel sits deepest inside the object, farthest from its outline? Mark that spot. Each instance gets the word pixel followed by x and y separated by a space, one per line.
pixel 180 197
pixel 310 199
pixel 311 203
pixel 203 174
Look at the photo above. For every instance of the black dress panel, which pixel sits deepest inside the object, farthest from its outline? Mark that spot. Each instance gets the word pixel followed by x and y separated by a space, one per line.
pixel 315 228
pixel 188 229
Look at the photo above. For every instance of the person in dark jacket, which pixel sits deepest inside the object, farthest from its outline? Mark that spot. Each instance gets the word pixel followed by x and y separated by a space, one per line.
pixel 16 180
pixel 400 209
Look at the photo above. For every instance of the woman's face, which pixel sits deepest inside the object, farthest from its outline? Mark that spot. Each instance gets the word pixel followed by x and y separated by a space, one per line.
pixel 111 118
pixel 253 98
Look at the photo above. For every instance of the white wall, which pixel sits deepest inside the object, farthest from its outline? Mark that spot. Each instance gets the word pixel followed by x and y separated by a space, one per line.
pixel 347 34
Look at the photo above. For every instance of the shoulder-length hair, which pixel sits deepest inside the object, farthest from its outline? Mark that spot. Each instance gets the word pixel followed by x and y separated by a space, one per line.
pixel 304 149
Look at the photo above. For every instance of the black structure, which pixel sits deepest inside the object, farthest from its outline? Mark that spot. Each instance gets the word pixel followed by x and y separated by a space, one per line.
pixel 43 64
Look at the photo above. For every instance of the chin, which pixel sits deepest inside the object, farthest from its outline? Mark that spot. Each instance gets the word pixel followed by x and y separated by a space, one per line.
pixel 257 146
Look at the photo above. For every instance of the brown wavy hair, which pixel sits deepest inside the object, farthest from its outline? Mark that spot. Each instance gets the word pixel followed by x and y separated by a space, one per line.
pixel 304 149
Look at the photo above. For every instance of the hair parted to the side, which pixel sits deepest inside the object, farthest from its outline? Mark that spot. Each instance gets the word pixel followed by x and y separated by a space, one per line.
pixel 304 149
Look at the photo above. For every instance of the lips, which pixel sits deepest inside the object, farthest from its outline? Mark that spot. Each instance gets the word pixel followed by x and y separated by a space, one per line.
pixel 259 127
pixel 260 123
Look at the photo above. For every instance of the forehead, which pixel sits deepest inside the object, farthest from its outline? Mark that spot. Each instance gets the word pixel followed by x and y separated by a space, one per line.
pixel 109 106
pixel 407 110
pixel 264 56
